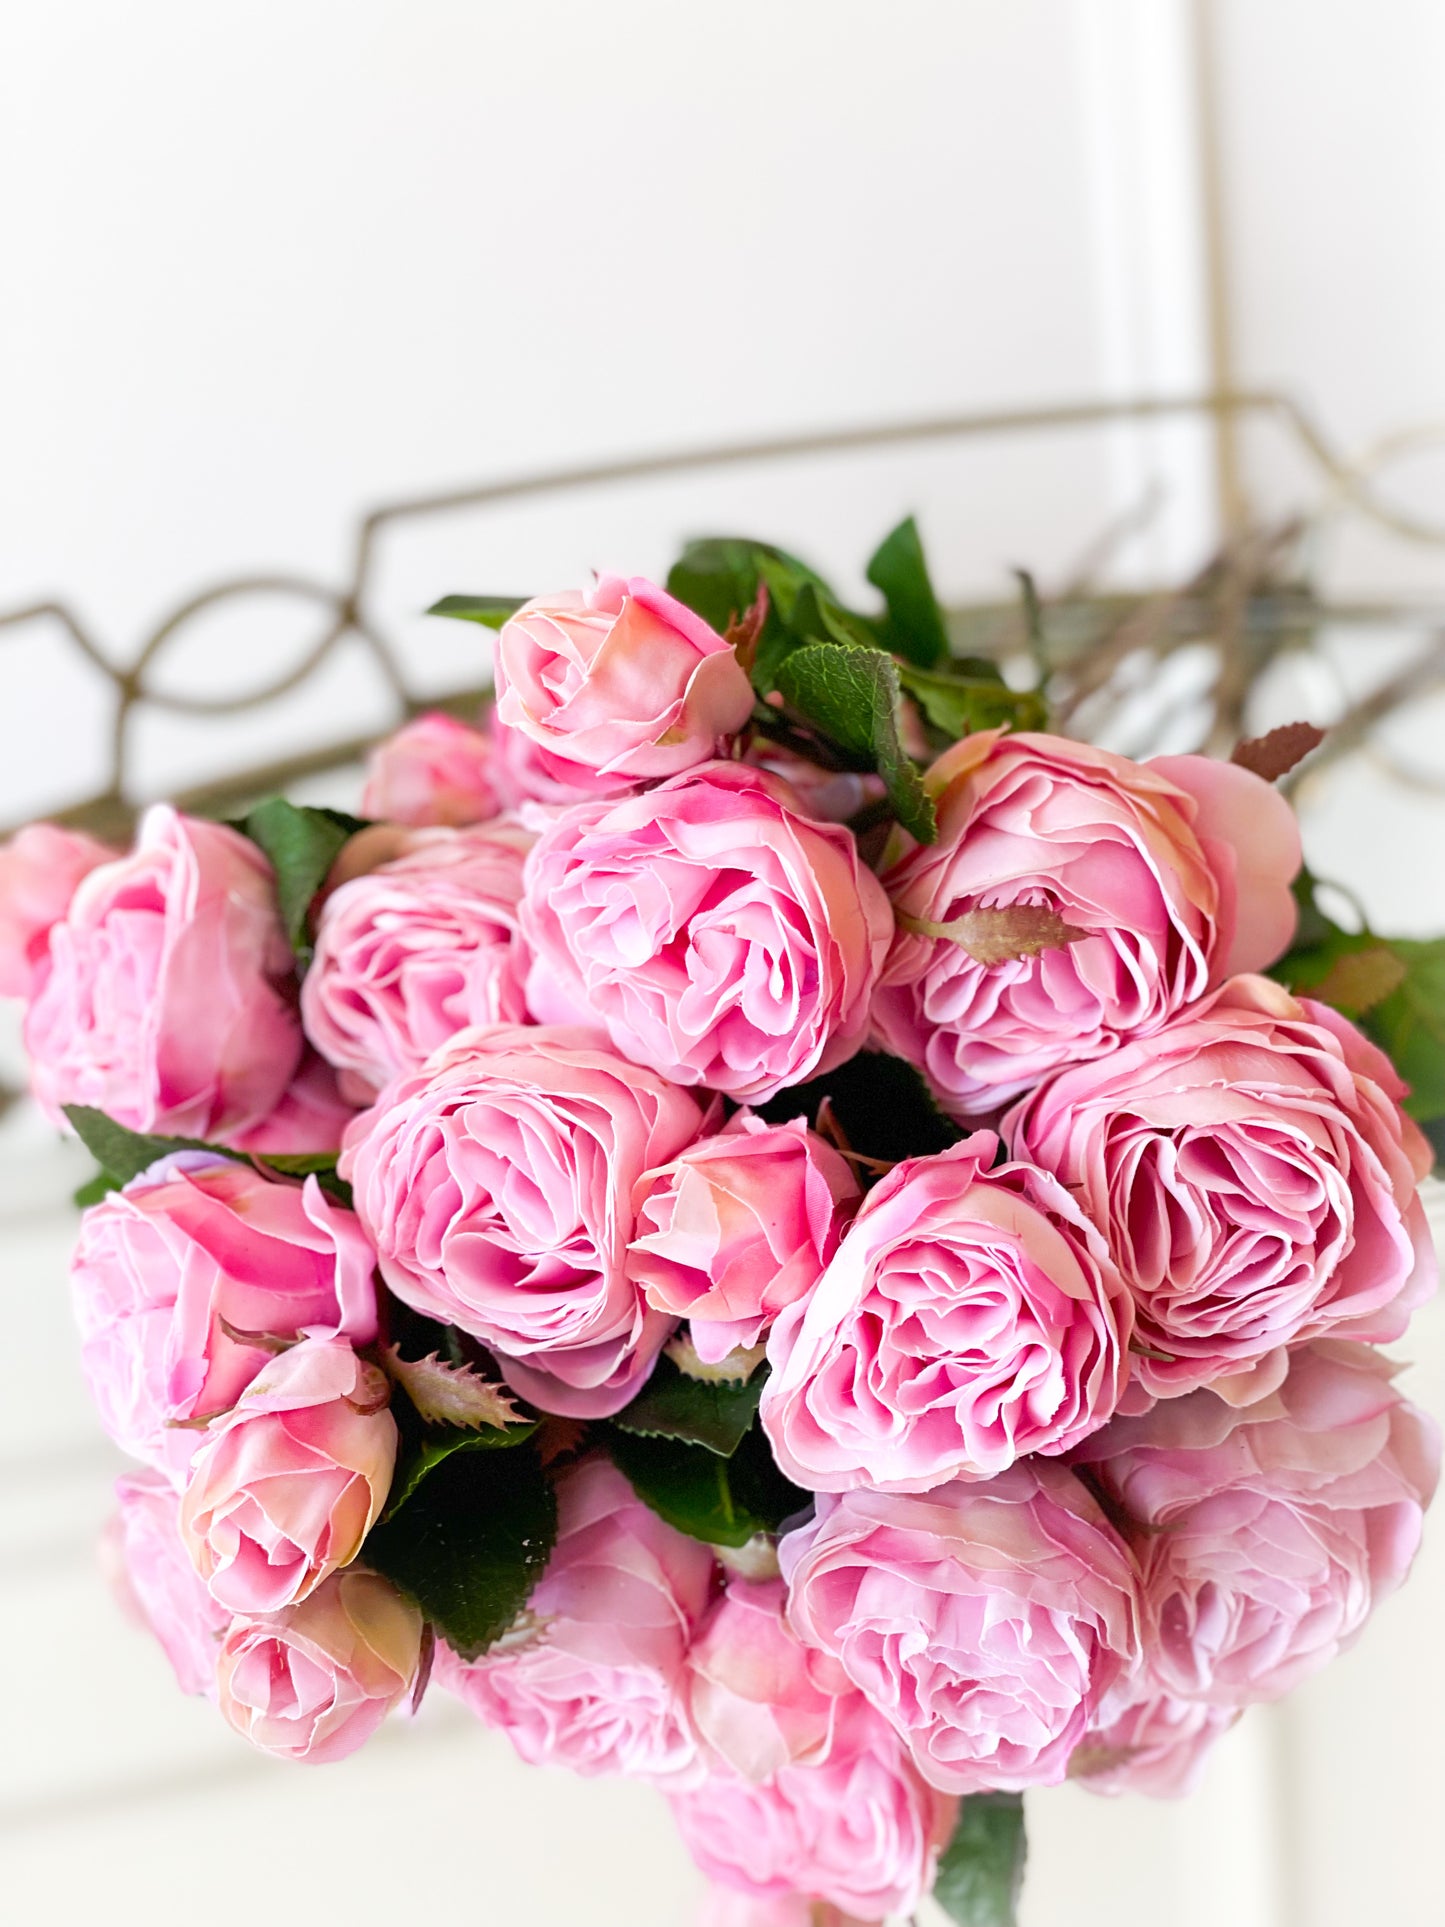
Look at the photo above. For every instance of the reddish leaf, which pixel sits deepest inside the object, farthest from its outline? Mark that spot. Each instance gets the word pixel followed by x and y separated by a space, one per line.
pixel 1276 754
pixel 1359 979
pixel 1004 935
pixel 745 632
pixel 446 1394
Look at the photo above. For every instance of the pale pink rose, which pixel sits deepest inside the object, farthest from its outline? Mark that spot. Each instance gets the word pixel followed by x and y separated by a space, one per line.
pixel 530 778
pixel 970 1316
pixel 860 1830
pixel 727 1907
pixel 831 795
pixel 716 932
pixel 411 953
pixel 164 1004
pixel 593 1676
pixel 433 769
pixel 1156 1745
pixel 497 1186
pixel 738 1226
pixel 155 1581
pixel 620 682
pixel 1178 871
pixel 171 1275
pixel 987 1622
pixel 760 1699
pixel 1254 1176
pixel 310 1118
pixel 40 869
pixel 1266 1534
pixel 285 1487
pixel 315 1681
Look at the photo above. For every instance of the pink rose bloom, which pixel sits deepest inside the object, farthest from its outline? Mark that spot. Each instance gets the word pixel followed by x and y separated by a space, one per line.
pixel 172 1274
pixel 621 683
pixel 593 1677
pixel 1156 1745
pixel 433 769
pixel 1179 871
pixel 315 1681
pixel 831 795
pixel 311 1116
pixel 738 1226
pixel 287 1485
pixel 860 1830
pixel 497 1187
pixel 969 1316
pixel 726 1907
pixel 158 1585
pixel 529 777
pixel 714 930
pixel 1265 1535
pixel 411 953
pixel 760 1699
pixel 1255 1177
pixel 987 1622
pixel 40 870
pixel 164 1004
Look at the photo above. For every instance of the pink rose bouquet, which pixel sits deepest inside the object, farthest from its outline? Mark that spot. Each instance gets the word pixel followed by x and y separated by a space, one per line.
pixel 755 1219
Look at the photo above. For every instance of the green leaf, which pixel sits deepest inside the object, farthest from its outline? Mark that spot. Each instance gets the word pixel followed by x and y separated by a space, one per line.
pixel 96 1188
pixel 308 1164
pixel 851 694
pixel 722 1501
pixel 123 1154
pixel 490 610
pixel 436 1444
pixel 470 1543
pixel 981 1870
pixel 958 703
pixel 883 1104
pixel 1409 1024
pixel 700 1412
pixel 302 845
pixel 914 626
pixel 718 576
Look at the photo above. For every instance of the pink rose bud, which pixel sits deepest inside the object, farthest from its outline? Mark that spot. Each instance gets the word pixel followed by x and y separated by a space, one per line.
pixel 593 1678
pixel 315 1681
pixel 180 1279
pixel 1177 871
pixel 987 1622
pixel 738 1226
pixel 165 1002
pixel 288 1484
pixel 717 932
pixel 311 1116
pixel 433 769
pixel 497 1185
pixel 861 1830
pixel 970 1316
pixel 620 684
pixel 410 953
pixel 1266 1534
pixel 1156 1745
pixel 830 795
pixel 1255 1178
pixel 153 1576
pixel 761 1700
pixel 40 870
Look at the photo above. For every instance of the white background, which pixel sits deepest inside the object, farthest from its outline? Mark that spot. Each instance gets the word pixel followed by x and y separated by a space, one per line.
pixel 264 264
